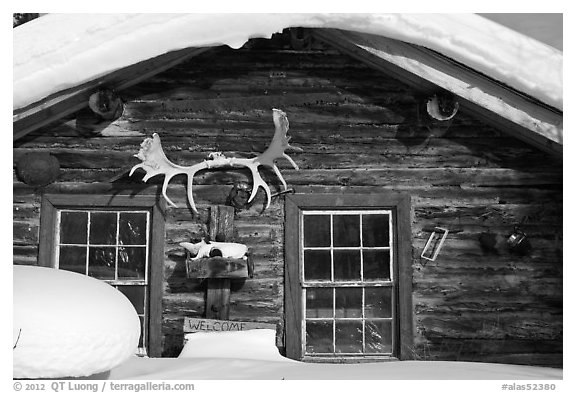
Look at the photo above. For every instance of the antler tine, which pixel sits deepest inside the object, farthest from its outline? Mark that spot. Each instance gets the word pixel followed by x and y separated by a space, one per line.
pixel 258 182
pixel 189 192
pixel 165 188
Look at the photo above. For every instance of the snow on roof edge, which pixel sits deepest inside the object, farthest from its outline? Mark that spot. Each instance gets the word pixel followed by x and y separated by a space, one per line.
pixel 60 51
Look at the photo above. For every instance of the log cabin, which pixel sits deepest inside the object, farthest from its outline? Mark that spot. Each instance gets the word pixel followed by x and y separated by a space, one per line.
pixel 407 232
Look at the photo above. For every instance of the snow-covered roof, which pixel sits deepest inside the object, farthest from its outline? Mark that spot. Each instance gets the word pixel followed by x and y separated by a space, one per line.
pixel 507 79
pixel 59 51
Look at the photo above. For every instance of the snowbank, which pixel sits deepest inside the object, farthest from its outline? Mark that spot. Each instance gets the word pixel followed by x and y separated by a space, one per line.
pixel 249 369
pixel 59 51
pixel 69 325
pixel 252 355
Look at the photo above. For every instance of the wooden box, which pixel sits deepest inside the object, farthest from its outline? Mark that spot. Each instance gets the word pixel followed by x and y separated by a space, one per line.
pixel 218 267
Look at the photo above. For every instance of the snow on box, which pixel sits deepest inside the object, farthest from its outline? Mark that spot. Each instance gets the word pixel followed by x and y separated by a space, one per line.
pixel 59 51
pixel 257 344
pixel 69 325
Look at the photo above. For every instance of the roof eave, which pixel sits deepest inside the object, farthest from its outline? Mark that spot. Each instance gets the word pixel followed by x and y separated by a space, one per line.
pixel 425 70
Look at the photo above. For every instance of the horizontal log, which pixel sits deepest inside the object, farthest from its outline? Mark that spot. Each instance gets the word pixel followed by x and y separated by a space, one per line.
pixel 498 326
pixel 494 305
pixel 190 143
pixel 514 351
pixel 508 214
pixel 25 233
pixel 202 133
pixel 385 178
pixel 421 196
pixel 26 212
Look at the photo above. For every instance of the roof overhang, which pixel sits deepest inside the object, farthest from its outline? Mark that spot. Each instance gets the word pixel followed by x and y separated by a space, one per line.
pixel 425 70
pixel 64 103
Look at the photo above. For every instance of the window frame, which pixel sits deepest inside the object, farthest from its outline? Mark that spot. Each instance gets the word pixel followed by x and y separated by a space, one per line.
pixel 399 204
pixel 52 203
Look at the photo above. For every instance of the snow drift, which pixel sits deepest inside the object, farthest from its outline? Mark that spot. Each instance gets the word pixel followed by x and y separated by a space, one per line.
pixel 69 325
pixel 253 355
pixel 59 51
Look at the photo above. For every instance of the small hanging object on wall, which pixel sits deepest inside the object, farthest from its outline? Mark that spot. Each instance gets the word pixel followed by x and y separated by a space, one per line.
pixel 518 242
pixel 238 197
pixel 38 169
pixel 106 104
pixel 155 162
pixel 434 244
pixel 442 106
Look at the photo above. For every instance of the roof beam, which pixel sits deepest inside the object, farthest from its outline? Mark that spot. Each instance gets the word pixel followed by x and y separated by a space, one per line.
pixel 64 103
pixel 425 70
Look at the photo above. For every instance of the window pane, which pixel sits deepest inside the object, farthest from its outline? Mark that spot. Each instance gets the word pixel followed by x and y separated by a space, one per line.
pixel 346 265
pixel 376 230
pixel 73 227
pixel 103 228
pixel 349 336
pixel 101 262
pixel 378 336
pixel 317 265
pixel 346 230
pixel 131 262
pixel 378 302
pixel 136 294
pixel 132 228
pixel 73 258
pixel 319 303
pixel 316 231
pixel 319 337
pixel 348 302
pixel 376 264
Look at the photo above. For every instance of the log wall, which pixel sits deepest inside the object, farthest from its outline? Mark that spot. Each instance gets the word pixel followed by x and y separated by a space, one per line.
pixel 361 132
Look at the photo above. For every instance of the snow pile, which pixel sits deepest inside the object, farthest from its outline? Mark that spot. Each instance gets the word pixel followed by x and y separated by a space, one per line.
pixel 252 355
pixel 69 325
pixel 59 51
pixel 249 369
pixel 258 344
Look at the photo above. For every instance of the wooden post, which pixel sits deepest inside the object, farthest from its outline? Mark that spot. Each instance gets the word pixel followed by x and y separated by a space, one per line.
pixel 221 229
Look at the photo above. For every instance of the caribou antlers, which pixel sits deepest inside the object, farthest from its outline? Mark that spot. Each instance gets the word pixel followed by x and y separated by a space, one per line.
pixel 155 162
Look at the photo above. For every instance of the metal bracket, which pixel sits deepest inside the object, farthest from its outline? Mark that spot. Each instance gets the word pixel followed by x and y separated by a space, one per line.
pixel 434 244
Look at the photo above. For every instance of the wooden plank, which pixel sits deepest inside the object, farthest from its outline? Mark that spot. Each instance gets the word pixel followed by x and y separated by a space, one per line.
pixel 217 298
pixel 62 104
pixel 194 325
pixel 46 243
pixel 292 288
pixel 403 266
pixel 220 227
pixel 538 124
pixel 217 267
pixel 156 283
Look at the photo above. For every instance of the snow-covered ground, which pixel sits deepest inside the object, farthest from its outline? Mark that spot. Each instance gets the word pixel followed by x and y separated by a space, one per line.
pixel 59 51
pixel 253 355
pixel 234 368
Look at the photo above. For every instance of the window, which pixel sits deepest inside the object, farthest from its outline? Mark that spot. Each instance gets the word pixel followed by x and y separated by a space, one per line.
pixel 116 239
pixel 348 275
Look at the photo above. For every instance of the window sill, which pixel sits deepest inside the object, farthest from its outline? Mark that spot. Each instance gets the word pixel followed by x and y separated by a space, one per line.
pixel 349 359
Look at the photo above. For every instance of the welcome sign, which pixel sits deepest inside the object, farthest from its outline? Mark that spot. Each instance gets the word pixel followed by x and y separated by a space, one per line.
pixel 194 325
